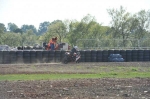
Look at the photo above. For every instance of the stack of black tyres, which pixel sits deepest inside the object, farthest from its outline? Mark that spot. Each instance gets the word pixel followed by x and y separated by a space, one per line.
pixel 134 55
pixel 26 57
pixel 140 55
pixel 146 55
pixel 39 56
pixel 99 55
pixel 45 56
pixel 51 56
pixel 1 57
pixel 128 55
pixel 57 56
pixel 105 56
pixel 6 57
pixel 110 52
pixel 62 55
pixel 93 56
pixel 88 56
pixel 19 57
pixel 116 51
pixel 13 57
pixel 33 56
pixel 123 54
pixel 82 53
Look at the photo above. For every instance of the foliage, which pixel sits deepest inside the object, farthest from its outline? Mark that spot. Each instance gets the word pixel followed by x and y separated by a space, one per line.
pixel 29 38
pixel 18 31
pixel 127 28
pixel 25 28
pixel 56 29
pixel 11 27
pixel 43 27
pixel 2 28
pixel 120 24
pixel 142 24
pixel 11 39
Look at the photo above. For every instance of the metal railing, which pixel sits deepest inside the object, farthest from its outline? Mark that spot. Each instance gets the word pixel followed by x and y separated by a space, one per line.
pixel 86 44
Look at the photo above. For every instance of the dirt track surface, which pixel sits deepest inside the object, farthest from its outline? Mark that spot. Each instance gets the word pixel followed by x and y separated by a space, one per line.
pixel 106 88
pixel 77 89
pixel 65 68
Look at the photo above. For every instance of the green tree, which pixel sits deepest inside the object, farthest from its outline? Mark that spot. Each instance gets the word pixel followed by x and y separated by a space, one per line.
pixel 73 33
pixel 29 38
pixel 25 28
pixel 43 27
pixel 121 23
pixel 2 28
pixel 18 30
pixel 11 27
pixel 141 24
pixel 11 39
pixel 85 33
pixel 57 29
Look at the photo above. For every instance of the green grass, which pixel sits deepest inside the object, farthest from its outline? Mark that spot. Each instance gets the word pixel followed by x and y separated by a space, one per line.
pixel 91 72
pixel 15 77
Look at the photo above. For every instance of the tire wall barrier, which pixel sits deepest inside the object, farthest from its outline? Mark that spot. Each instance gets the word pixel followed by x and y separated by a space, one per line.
pixel 105 56
pixel 19 57
pixel 93 56
pixel 99 55
pixel 57 56
pixel 26 57
pixel 88 56
pixel 146 55
pixel 1 57
pixel 13 57
pixel 128 56
pixel 39 57
pixel 51 56
pixel 45 56
pixel 33 57
pixel 6 57
pixel 82 56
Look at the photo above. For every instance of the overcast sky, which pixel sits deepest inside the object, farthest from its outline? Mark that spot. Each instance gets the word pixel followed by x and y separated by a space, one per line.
pixel 33 12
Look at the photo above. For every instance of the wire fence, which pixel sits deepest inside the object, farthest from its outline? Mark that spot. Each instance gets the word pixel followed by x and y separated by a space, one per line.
pixel 93 44
pixel 86 44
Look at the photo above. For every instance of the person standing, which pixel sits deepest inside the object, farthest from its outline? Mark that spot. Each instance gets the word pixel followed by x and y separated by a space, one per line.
pixel 55 43
pixel 52 42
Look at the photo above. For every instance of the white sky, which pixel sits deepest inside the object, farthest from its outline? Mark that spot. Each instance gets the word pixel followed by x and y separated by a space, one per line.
pixel 34 12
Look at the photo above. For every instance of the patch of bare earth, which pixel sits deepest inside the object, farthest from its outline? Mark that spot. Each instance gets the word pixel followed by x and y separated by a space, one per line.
pixel 137 88
pixel 106 88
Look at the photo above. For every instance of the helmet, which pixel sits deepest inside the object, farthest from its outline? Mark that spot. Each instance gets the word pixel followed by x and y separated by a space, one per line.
pixel 55 38
pixel 76 47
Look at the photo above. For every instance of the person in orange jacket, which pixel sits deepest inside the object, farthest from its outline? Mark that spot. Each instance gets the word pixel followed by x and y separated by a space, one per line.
pixel 48 45
pixel 52 44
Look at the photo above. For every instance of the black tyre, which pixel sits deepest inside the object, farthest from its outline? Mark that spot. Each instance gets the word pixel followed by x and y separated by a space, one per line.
pixel 65 60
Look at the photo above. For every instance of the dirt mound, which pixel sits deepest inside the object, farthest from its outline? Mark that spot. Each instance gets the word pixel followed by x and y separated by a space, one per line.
pixel 137 88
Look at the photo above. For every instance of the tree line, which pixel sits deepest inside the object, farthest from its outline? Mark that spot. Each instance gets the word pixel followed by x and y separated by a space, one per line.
pixel 123 26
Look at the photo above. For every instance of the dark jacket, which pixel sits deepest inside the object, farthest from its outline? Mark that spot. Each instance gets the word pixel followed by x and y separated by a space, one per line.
pixel 73 51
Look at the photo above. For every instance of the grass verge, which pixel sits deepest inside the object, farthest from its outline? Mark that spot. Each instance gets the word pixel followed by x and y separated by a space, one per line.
pixel 15 77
